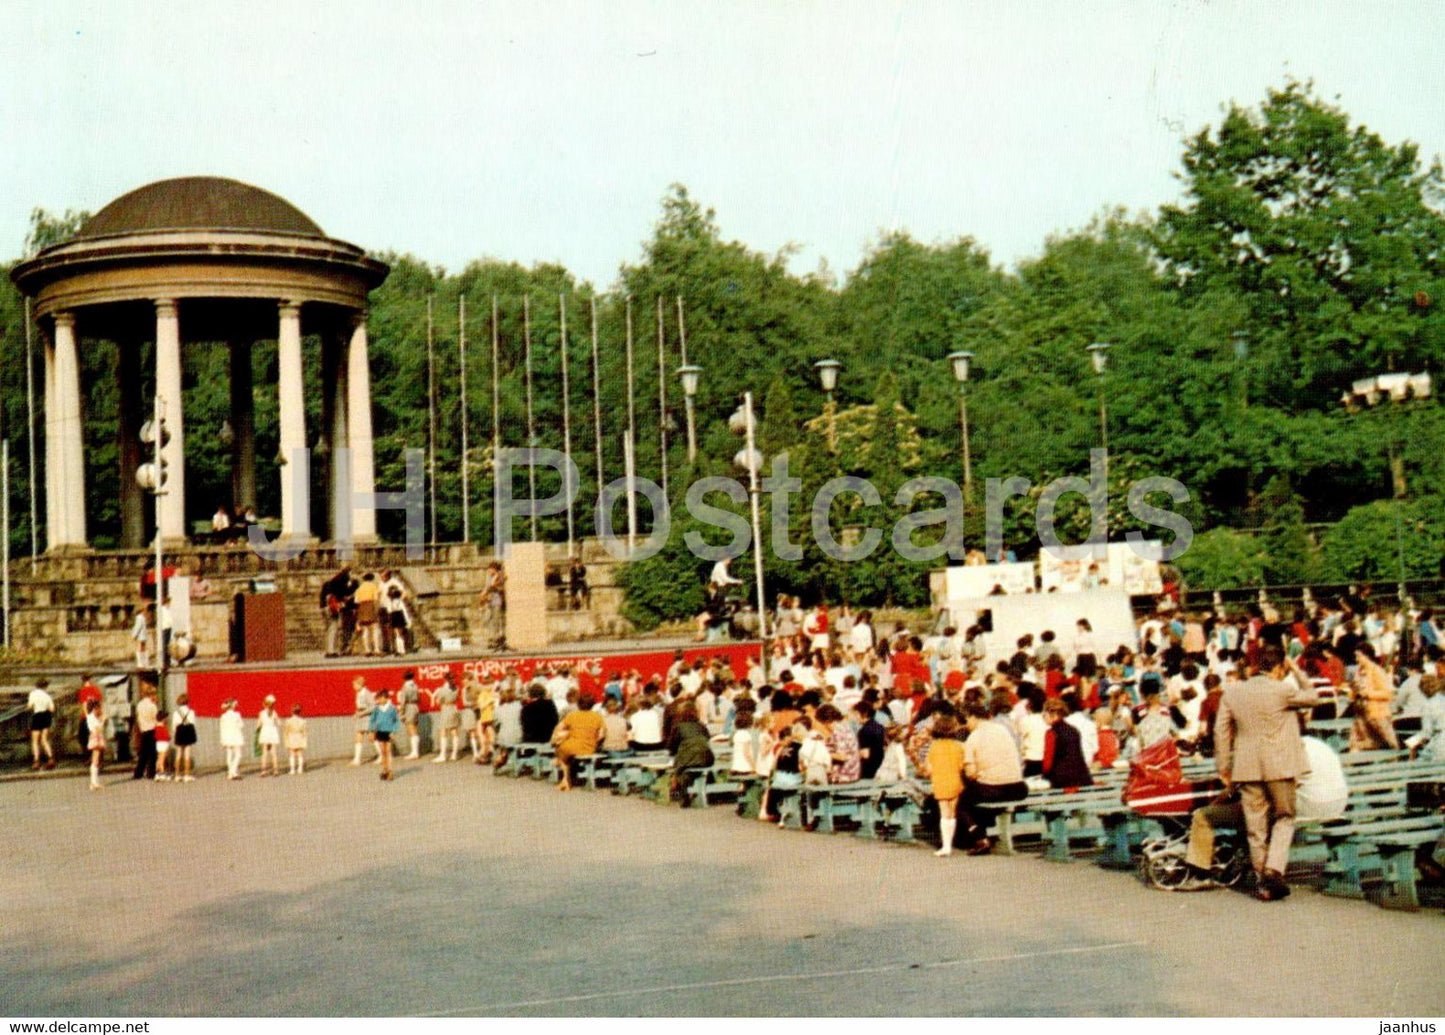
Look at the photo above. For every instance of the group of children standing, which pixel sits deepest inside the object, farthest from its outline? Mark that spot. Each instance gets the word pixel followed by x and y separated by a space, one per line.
pixel 271 732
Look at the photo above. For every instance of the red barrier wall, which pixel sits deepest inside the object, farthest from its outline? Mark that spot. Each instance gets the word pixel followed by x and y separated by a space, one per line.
pixel 327 691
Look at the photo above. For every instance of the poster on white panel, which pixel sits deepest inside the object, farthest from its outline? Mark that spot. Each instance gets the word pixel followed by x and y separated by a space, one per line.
pixel 981 580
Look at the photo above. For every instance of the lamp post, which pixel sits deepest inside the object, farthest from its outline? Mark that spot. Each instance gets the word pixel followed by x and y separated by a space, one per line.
pixel 152 478
pixel 960 362
pixel 750 459
pixel 828 377
pixel 1099 355
pixel 688 374
pixel 1396 389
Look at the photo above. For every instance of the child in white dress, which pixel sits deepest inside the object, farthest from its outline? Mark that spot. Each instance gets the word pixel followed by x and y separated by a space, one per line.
pixel 233 738
pixel 268 736
pixel 296 740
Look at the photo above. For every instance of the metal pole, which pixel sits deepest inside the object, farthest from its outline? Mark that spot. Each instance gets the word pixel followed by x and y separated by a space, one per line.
pixel 496 411
pixel 1398 505
pixel 687 399
pixel 531 426
pixel 160 411
pixel 967 456
pixel 466 456
pixel 566 422
pixel 30 433
pixel 757 528
pixel 597 396
pixel 661 396
pixel 631 405
pixel 5 533
pixel 431 416
pixel 1104 437
pixel 629 473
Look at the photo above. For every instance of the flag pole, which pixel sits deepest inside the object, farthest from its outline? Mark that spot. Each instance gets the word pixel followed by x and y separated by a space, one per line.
pixel 496 412
pixel 531 426
pixel 431 416
pixel 596 396
pixel 5 533
pixel 462 378
pixel 567 489
pixel 661 396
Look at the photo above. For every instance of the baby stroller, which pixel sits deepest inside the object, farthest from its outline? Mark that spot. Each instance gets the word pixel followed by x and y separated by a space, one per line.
pixel 1158 789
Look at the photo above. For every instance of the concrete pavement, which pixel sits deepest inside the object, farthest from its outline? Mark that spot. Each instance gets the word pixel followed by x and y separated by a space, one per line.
pixel 453 892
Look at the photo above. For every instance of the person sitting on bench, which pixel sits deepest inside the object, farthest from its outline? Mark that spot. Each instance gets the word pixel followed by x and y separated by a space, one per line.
pixel 994 775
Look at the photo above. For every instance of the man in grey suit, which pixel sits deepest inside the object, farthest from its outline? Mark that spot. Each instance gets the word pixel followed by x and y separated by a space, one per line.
pixel 1258 750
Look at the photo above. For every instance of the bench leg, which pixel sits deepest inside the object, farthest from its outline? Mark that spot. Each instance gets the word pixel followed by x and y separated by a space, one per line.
pixel 750 800
pixel 1117 854
pixel 867 821
pixel 1004 823
pixel 905 820
pixel 1058 835
pixel 1398 866
pixel 823 814
pixel 1344 872
pixel 790 811
pixel 698 790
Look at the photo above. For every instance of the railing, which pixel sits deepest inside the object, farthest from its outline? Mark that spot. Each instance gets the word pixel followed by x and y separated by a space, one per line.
pixel 1424 592
pixel 239 559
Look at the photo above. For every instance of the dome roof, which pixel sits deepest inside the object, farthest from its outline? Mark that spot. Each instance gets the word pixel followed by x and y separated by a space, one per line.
pixel 198 203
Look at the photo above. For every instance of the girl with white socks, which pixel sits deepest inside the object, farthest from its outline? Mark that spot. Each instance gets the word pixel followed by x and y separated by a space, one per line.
pixel 295 736
pixel 233 738
pixel 95 741
pixel 448 722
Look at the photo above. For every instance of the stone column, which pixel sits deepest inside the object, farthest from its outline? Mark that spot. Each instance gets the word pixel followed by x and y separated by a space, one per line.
pixel 173 528
pixel 54 534
pixel 358 429
pixel 290 393
pixel 334 384
pixel 130 414
pixel 243 426
pixel 69 451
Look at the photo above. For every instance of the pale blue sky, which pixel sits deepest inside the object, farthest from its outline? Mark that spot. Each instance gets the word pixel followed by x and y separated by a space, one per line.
pixel 549 132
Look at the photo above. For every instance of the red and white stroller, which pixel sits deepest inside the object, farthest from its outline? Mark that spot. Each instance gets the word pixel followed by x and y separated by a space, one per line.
pixel 1157 788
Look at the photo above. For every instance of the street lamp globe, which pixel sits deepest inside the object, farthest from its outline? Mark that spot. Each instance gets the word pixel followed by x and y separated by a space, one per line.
pixel 689 375
pixel 960 362
pixel 1099 353
pixel 748 459
pixel 828 373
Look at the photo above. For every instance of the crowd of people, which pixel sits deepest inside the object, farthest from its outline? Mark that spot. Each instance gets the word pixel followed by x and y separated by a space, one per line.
pixel 368 613
pixel 974 724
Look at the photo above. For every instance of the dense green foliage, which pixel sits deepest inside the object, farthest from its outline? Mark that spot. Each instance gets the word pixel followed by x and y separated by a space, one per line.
pixel 1319 240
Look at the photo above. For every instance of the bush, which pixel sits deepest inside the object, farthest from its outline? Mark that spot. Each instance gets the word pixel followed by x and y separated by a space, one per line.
pixel 1367 543
pixel 1222 559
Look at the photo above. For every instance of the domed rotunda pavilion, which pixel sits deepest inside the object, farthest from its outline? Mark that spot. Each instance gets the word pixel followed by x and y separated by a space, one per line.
pixel 204 260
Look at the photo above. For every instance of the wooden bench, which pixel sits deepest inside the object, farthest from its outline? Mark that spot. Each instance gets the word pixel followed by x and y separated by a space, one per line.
pixel 635 774
pixel 599 768
pixel 1352 844
pixel 535 760
pixel 1397 863
pixel 715 782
